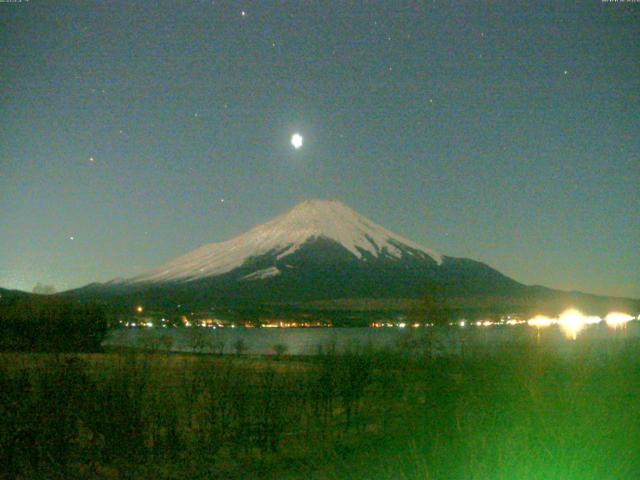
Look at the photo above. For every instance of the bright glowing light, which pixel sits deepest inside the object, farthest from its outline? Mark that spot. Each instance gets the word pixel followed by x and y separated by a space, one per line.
pixel 139 309
pixel 572 321
pixel 463 323
pixel 540 321
pixel 296 141
pixel 402 325
pixel 484 323
pixel 618 319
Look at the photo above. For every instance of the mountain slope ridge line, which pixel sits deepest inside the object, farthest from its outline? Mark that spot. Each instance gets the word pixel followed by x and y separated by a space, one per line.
pixel 286 234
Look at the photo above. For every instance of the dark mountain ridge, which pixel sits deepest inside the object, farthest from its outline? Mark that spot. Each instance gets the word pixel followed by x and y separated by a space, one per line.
pixel 322 252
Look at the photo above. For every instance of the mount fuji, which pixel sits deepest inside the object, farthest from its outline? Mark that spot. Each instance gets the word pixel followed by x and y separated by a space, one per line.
pixel 317 251
pixel 308 225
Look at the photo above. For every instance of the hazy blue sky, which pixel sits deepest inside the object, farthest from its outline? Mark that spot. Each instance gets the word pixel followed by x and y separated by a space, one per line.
pixel 506 132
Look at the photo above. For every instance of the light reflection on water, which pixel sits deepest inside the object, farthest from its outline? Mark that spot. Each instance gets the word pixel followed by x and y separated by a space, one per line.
pixel 444 340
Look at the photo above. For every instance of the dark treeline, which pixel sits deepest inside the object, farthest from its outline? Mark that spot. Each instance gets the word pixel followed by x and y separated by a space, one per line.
pixel 51 324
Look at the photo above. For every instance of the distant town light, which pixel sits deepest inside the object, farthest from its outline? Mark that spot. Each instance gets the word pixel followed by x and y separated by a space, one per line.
pixel 540 321
pixel 617 319
pixel 139 309
pixel 572 321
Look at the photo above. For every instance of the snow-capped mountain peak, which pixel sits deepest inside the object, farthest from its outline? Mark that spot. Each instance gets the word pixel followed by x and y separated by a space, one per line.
pixel 285 235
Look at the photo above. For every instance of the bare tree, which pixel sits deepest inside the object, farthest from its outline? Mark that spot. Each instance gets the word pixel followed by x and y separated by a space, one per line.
pixel 240 346
pixel 198 339
pixel 280 349
pixel 166 342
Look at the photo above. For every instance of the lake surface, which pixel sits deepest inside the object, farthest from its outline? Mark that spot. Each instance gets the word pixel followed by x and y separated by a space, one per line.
pixel 308 341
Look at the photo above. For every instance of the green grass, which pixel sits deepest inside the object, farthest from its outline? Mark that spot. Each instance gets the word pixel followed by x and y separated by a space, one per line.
pixel 522 412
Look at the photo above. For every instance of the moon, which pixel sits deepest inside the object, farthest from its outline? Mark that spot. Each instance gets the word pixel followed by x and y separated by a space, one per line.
pixel 296 141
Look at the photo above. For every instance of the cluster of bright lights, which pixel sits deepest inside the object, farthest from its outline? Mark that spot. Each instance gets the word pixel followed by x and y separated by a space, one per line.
pixel 618 319
pixel 139 324
pixel 572 321
pixel 385 325
pixel 488 322
pixel 540 321
pixel 513 321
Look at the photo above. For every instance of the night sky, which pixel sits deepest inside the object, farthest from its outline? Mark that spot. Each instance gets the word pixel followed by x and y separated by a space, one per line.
pixel 506 132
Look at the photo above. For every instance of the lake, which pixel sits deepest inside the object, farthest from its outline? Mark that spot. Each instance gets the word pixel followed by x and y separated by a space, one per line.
pixel 307 341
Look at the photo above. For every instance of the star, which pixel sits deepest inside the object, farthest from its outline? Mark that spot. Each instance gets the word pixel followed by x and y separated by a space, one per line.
pixel 72 238
pixel 243 13
pixel 92 159
pixel 566 72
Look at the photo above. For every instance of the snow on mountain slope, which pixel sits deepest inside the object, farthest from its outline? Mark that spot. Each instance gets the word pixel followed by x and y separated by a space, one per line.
pixel 283 236
pixel 262 274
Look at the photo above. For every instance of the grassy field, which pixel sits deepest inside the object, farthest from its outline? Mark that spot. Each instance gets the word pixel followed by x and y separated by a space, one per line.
pixel 523 412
